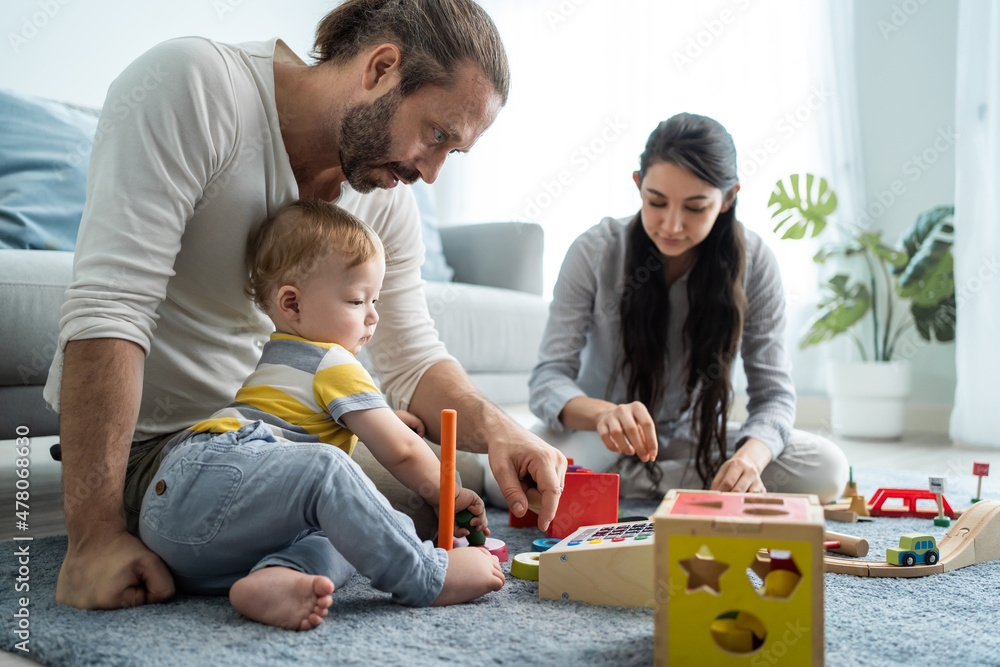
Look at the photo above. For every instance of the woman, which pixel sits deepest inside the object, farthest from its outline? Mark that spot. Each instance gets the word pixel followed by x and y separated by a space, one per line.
pixel 647 317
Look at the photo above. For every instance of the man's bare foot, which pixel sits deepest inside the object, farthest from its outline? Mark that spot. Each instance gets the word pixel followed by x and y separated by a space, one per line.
pixel 472 571
pixel 283 597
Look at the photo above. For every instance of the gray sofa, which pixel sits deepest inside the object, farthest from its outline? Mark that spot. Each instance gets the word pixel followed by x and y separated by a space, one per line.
pixel 491 318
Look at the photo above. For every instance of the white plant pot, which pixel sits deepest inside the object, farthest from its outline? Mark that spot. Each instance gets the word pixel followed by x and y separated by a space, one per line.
pixel 868 398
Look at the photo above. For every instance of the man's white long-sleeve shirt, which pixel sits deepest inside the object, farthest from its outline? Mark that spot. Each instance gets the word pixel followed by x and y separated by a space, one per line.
pixel 187 160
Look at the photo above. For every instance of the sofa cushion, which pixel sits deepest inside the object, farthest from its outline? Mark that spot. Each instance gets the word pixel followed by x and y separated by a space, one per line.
pixel 435 266
pixel 486 328
pixel 32 290
pixel 44 155
pixel 44 152
pixel 494 334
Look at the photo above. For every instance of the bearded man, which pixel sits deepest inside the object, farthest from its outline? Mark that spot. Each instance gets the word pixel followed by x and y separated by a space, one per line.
pixel 198 143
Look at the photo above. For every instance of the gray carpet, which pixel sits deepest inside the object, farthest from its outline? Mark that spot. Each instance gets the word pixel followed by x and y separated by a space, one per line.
pixel 944 619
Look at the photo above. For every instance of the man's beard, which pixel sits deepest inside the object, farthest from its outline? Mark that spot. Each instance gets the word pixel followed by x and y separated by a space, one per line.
pixel 366 142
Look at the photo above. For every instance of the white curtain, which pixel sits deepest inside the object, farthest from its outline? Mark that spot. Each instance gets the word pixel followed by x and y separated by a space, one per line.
pixel 976 418
pixel 590 81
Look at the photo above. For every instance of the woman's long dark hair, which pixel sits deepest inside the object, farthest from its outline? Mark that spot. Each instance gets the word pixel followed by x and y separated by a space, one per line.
pixel 717 301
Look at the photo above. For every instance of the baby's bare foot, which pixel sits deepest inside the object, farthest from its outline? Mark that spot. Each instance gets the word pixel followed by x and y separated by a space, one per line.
pixel 472 571
pixel 283 597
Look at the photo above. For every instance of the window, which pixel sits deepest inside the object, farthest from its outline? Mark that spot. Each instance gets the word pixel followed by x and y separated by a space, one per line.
pixel 590 81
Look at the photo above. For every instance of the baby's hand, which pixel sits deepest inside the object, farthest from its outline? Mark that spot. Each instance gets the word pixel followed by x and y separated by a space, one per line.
pixel 468 500
pixel 412 421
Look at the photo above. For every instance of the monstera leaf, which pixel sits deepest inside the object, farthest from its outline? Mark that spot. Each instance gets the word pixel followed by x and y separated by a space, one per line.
pixel 873 241
pixel 801 208
pixel 927 243
pixel 920 270
pixel 843 249
pixel 937 284
pixel 935 322
pixel 841 307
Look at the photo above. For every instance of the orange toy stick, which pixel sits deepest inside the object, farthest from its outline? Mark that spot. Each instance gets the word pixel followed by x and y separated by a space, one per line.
pixel 446 510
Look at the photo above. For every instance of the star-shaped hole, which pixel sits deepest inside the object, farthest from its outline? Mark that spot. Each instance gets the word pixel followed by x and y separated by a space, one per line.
pixel 703 571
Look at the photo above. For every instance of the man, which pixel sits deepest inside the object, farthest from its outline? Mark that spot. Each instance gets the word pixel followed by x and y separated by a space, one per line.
pixel 199 142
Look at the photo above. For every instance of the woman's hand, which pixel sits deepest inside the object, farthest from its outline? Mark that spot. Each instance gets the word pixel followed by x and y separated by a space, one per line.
pixel 629 429
pixel 741 473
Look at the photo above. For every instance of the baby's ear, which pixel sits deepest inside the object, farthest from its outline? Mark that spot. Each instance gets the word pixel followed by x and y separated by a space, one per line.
pixel 287 302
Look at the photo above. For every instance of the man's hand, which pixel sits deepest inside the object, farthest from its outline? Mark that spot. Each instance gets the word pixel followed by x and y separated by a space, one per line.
pixel 515 454
pixel 105 567
pixel 529 472
pixel 741 473
pixel 120 572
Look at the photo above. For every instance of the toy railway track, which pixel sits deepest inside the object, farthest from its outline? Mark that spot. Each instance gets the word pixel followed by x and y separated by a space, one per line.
pixel 975 538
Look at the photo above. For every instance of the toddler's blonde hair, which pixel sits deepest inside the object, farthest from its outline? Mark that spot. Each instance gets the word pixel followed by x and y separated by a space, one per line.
pixel 285 249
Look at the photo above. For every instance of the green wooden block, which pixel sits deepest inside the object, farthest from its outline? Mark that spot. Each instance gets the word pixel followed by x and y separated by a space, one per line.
pixel 476 538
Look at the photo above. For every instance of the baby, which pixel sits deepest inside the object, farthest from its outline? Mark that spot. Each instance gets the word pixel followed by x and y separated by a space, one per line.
pixel 262 500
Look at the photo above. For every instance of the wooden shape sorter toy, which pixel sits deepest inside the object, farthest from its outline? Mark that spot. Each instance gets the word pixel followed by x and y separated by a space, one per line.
pixel 708 610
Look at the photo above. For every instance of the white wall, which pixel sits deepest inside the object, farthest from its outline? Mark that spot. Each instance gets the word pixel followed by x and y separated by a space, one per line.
pixel 71 50
pixel 906 53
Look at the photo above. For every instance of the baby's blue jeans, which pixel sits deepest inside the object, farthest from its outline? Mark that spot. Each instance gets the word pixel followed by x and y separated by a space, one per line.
pixel 223 505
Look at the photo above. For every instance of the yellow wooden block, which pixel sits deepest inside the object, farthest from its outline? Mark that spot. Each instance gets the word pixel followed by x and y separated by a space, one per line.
pixel 728 635
pixel 780 583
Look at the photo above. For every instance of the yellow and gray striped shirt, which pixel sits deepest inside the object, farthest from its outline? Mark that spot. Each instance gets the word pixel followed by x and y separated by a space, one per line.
pixel 300 390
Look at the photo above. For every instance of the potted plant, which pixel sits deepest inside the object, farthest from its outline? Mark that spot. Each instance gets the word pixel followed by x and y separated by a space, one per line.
pixel 895 290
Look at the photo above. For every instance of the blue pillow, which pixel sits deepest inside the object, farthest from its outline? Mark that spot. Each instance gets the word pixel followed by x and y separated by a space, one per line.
pixel 434 267
pixel 44 151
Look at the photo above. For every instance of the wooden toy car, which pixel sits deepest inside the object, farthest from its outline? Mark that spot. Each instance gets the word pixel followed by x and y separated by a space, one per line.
pixel 913 548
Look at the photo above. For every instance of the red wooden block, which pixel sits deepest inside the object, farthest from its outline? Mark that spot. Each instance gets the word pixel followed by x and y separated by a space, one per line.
pixel 588 499
pixel 527 521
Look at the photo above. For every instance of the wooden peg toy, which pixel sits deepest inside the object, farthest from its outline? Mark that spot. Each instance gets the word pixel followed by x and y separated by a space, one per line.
pixel 938 485
pixel 525 566
pixel 544 544
pixel 496 547
pixel 446 510
pixel 847 545
pixel 980 470
pixel 851 490
pixel 476 537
